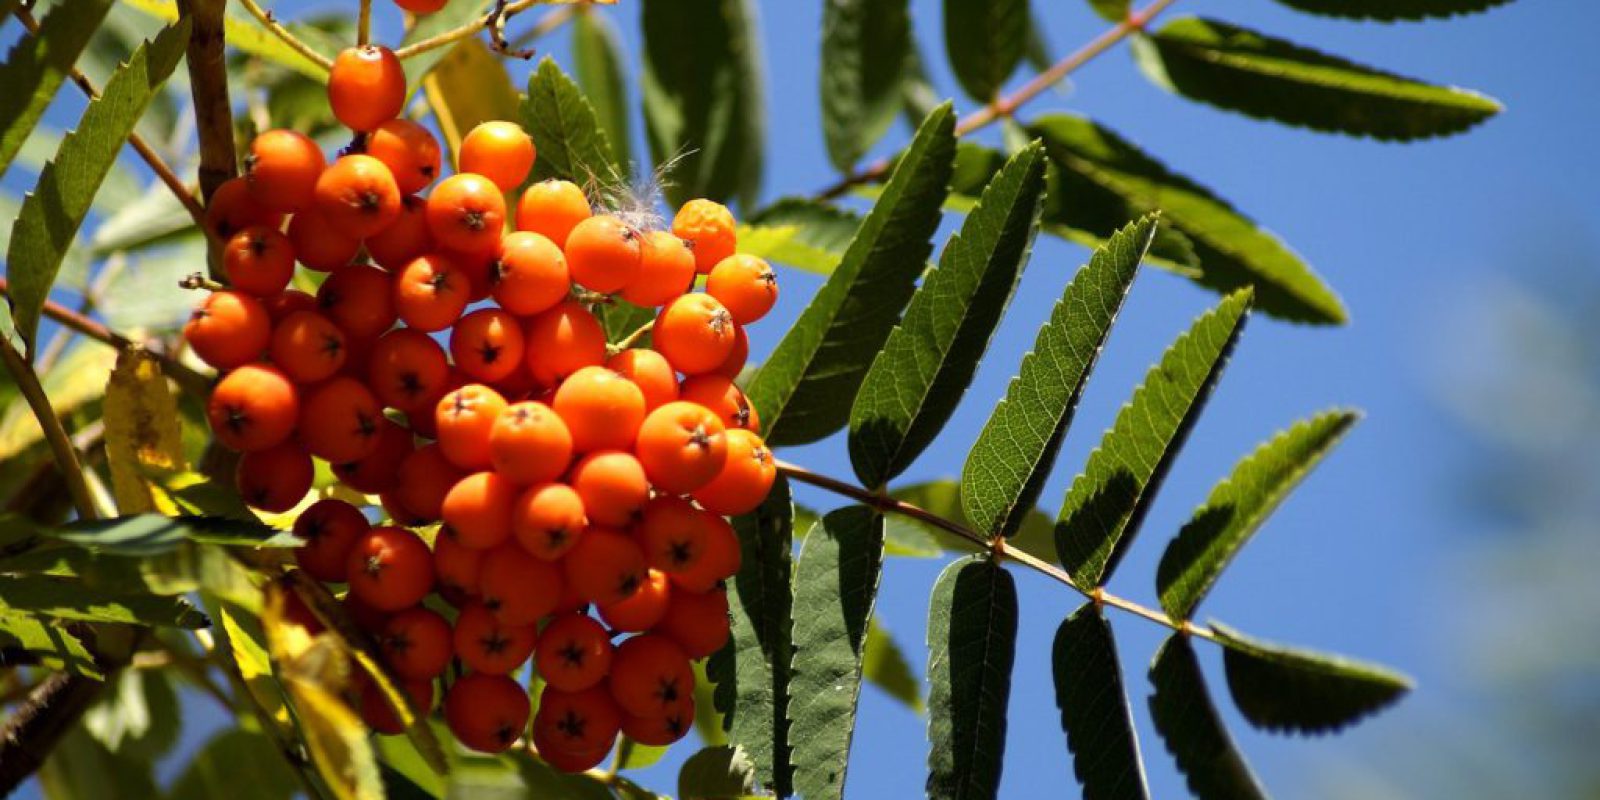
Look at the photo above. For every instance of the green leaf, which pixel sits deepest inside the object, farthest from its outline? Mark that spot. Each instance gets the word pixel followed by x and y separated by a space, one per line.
pixel 985 40
pixel 972 640
pixel 234 764
pixel 751 671
pixel 805 387
pixel 864 45
pixel 247 36
pixel 81 767
pixel 153 534
pixel 55 209
pixel 1391 10
pixel 1239 504
pixel 1105 505
pixel 455 14
pixel 1183 714
pixel 1111 10
pixel 884 665
pixel 918 97
pixel 598 59
pixel 469 87
pixel 621 318
pixel 1094 708
pixel 924 368
pixel 632 755
pixel 715 773
pixel 836 583
pixel 46 596
pixel 1269 78
pixel 799 232
pixel 1012 457
pixel 137 715
pixel 36 67
pixel 52 645
pixel 703 107
pixel 1035 534
pixel 1100 170
pixel 1283 688
pixel 565 130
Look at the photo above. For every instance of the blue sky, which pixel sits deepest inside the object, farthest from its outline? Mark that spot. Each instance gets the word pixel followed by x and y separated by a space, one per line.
pixel 1355 561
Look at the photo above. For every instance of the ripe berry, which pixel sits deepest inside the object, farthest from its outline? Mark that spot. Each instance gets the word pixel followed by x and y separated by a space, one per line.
pixel 612 485
pixel 253 408
pixel 682 446
pixel 719 561
pixel 694 332
pixel 431 292
pixel 550 753
pixel 407 370
pixel 307 347
pixel 734 363
pixel 650 675
pixel 530 274
pixel 487 645
pixel 228 329
pixel 339 420
pixel 282 168
pixel 279 306
pixel 698 622
pixel 723 398
pixel 319 245
pixel 708 227
pixel 421 6
pixel 644 608
pixel 467 213
pixel 487 345
pixel 274 479
pixel 605 566
pixel 552 209
pixel 366 87
pixel 666 270
pixel 405 239
pixel 500 151
pixel 458 568
pixel 330 528
pixel 358 195
pixel 518 588
pixel 408 150
pixel 573 653
pixel 745 479
pixel 366 616
pixel 660 731
pixel 417 644
pixel 380 716
pixel 530 444
pixel 602 409
pixel 379 471
pixel 562 340
pixel 604 253
pixel 389 569
pixel 358 299
pixel 478 509
pixel 486 712
pixel 465 418
pixel 232 208
pixel 547 520
pixel 258 261
pixel 745 285
pixel 579 721
pixel 650 372
pixel 672 532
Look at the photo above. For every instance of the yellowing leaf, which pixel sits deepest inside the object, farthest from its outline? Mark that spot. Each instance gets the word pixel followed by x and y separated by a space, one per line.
pixel 141 417
pixel 76 380
pixel 245 35
pixel 255 668
pixel 469 86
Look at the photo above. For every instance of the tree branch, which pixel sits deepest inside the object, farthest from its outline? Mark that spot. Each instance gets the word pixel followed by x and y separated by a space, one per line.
pixel 208 75
pixel 54 434
pixel 37 725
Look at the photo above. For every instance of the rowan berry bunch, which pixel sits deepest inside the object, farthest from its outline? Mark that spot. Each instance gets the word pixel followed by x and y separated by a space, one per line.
pixel 459 373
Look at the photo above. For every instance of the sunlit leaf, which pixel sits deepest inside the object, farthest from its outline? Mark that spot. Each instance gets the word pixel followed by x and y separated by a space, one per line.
pixel 469 86
pixel 52 645
pixel 141 423
pixel 137 715
pixel 716 773
pixel 799 232
pixel 36 67
pixel 243 34
pixel 566 131
pixel 454 14
pixel 57 598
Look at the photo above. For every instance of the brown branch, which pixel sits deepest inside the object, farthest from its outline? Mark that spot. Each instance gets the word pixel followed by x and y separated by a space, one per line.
pixel 501 12
pixel 66 456
pixel 270 22
pixel 33 729
pixel 208 75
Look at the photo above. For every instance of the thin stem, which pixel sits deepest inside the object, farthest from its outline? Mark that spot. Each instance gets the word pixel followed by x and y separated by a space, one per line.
pixel 364 23
pixel 1008 105
pixel 271 24
pixel 487 21
pixel 547 24
pixel 632 338
pixel 60 445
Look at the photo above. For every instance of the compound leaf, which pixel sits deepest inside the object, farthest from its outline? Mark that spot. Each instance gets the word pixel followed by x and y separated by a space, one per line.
pixel 972 640
pixel 1289 689
pixel 1183 714
pixel 1094 708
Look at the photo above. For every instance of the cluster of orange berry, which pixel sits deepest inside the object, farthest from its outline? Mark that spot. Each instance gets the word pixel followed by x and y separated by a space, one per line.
pixel 569 474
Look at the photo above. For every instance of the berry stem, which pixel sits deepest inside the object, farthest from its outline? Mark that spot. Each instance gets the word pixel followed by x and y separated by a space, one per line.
pixel 631 339
pixel 271 24
pixel 497 16
pixel 364 23
pixel 66 455
pixel 996 548
pixel 1008 105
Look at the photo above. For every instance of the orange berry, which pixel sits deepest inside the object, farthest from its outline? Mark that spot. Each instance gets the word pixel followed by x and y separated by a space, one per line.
pixel 319 245
pixel 552 755
pixel 573 653
pixel 282 169
pixel 563 340
pixel 421 6
pixel 723 398
pixel 577 721
pixel 279 306
pixel 228 329
pixel 366 87
pixel 408 150
pixel 424 478
pixel 734 363
pixel 330 528
pixel 552 209
pixel 529 443
pixel 718 563
pixel 604 253
pixel 380 716
pixel 478 509
pixel 547 520
pixel 465 418
pixel 487 344
pixel 644 608
pixel 666 270
pixel 274 479
pixel 602 409
pixel 357 194
pixel 458 567
pixel 612 485
pixel 518 588
pixel 605 566
pixel 682 446
pixel 389 568
pixel 709 229
pixel 530 274
pixel 650 675
pixel 253 408
pixel 307 347
pixel 695 333
pixel 379 471
pixel 339 420
pixel 498 150
pixel 745 479
pixel 467 213
pixel 486 712
pixel 660 731
pixel 650 372
pixel 697 621
pixel 407 370
pixel 233 207
pixel 258 261
pixel 405 239
pixel 672 533
pixel 358 298
pixel 430 293
pixel 745 285
pixel 417 644
pixel 487 645
pixel 366 616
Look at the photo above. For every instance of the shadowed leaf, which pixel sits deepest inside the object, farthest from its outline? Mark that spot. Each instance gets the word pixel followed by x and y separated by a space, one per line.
pixel 1390 10
pixel 469 86
pixel 972 640
pixel 37 65
pixel 1188 723
pixel 53 646
pixel 985 41
pixel 597 60
pixel 1094 708
pixel 1288 689
pixel 45 596
pixel 884 665
pixel 864 44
